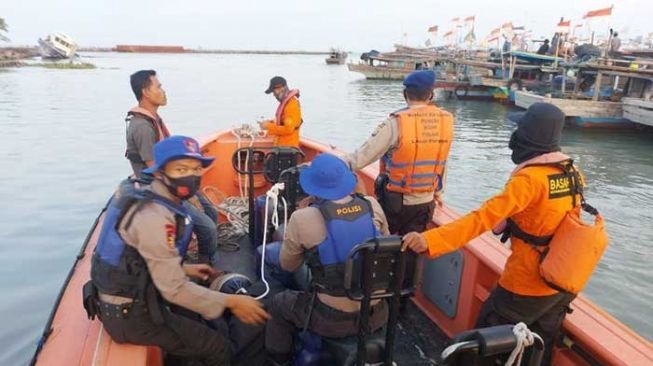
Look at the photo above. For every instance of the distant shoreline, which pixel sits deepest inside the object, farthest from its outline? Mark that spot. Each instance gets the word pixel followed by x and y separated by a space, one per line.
pixel 180 49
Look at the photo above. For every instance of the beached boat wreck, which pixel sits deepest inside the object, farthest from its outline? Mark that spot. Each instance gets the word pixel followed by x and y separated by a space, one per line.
pixel 57 46
pixel 445 304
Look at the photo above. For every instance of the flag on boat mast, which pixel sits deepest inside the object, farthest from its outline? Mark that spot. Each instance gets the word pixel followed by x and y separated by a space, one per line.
pixel 598 13
pixel 563 26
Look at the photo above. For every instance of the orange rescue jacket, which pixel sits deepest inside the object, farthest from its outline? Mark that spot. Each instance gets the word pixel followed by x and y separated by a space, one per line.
pixel 536 198
pixel 288 119
pixel 418 162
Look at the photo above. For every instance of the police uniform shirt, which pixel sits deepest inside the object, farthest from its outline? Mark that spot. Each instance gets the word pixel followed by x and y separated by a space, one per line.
pixel 306 229
pixel 153 233
pixel 385 139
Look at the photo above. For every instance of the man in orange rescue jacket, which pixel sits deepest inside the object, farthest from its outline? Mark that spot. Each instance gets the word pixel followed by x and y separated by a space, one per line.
pixel 534 201
pixel 284 128
pixel 413 146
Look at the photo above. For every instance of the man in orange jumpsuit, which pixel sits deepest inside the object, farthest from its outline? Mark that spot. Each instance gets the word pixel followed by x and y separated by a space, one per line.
pixel 284 128
pixel 534 200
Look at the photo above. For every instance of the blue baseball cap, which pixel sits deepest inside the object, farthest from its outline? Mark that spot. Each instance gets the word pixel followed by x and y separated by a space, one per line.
pixel 175 148
pixel 327 177
pixel 423 79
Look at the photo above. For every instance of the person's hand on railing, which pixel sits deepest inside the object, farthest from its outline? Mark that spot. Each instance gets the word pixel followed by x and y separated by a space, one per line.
pixel 415 242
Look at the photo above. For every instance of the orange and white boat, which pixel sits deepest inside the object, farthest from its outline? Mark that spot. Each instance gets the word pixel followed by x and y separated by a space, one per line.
pixel 448 302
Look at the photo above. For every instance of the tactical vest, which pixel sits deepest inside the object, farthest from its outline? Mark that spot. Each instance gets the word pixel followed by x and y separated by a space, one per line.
pixel 347 225
pixel 117 268
pixel 418 162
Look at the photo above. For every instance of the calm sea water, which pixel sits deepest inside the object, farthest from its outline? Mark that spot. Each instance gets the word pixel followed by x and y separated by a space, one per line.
pixel 63 143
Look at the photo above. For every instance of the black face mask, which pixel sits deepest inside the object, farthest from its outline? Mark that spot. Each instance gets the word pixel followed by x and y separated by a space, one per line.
pixel 520 153
pixel 184 187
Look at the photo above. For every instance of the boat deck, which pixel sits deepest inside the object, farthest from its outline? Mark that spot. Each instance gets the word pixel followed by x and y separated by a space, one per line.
pixel 418 342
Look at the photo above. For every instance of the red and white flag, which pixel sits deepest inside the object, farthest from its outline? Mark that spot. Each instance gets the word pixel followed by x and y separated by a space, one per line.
pixel 470 19
pixel 563 26
pixel 605 12
pixel 494 35
pixel 433 29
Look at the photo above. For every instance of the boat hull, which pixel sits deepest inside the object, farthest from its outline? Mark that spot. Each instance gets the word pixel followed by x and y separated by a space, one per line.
pixel 639 111
pixel 379 72
pixel 579 112
pixel 74 340
pixel 47 50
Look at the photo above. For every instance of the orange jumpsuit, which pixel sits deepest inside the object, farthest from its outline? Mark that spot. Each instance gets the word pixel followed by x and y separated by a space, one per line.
pixel 537 199
pixel 286 131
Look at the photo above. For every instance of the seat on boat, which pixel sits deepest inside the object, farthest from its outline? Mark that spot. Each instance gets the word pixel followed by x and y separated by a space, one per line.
pixel 375 270
pixel 471 346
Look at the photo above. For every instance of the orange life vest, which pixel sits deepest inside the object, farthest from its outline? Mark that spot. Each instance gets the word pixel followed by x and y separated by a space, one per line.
pixel 292 93
pixel 418 162
pixel 568 256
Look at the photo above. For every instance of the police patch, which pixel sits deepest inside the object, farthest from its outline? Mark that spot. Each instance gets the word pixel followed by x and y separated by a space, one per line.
pixel 559 186
pixel 378 128
pixel 171 235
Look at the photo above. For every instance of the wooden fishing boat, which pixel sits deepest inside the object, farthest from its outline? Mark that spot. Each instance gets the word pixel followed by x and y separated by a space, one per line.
pixel 639 111
pixel 336 57
pixel 447 302
pixel 598 90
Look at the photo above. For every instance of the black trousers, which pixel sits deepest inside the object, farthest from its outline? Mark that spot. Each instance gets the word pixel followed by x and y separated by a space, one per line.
pixel 187 340
pixel 290 309
pixel 542 314
pixel 403 219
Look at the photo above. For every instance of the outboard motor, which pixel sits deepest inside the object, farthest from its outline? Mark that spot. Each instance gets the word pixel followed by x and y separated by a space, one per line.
pixel 280 159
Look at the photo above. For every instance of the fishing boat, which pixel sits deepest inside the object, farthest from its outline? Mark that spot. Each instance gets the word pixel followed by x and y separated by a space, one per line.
pixel 445 304
pixel 57 46
pixel 598 90
pixel 336 57
pixel 638 111
pixel 394 65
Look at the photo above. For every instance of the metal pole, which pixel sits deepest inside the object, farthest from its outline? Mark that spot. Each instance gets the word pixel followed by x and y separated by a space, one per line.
pixel 597 86
pixel 363 326
pixel 400 271
pixel 250 193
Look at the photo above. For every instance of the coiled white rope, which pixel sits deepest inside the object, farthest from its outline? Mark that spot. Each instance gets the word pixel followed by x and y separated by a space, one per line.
pixel 525 338
pixel 272 195
pixel 244 131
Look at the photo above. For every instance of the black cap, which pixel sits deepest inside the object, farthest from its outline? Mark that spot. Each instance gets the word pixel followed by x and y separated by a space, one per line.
pixel 540 127
pixel 276 82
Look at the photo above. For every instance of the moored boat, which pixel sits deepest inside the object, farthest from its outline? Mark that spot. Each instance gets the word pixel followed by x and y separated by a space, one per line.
pixel 336 57
pixel 454 288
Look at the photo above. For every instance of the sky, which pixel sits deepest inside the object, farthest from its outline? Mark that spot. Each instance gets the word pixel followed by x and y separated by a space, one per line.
pixel 353 25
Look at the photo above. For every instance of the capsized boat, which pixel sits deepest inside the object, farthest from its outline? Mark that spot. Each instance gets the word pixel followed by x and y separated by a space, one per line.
pixel 446 303
pixel 57 46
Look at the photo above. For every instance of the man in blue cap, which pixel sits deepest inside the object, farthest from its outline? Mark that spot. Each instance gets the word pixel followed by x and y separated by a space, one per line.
pixel 412 146
pixel 137 269
pixel 322 235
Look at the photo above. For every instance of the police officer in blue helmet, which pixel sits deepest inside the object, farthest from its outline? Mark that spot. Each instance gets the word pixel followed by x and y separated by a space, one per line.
pixel 321 236
pixel 138 268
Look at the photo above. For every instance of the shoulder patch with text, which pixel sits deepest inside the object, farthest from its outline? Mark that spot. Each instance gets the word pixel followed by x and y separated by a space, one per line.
pixel 559 186
pixel 171 235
